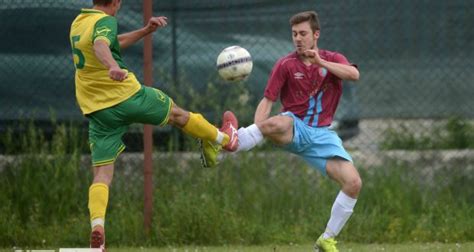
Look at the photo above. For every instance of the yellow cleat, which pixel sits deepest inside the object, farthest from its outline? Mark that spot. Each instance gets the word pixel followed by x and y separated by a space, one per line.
pixel 209 152
pixel 325 245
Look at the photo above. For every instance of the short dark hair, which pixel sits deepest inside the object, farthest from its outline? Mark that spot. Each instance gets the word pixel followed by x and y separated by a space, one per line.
pixel 306 16
pixel 102 2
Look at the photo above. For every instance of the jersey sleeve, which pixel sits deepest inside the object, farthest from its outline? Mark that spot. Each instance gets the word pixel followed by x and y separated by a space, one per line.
pixel 276 81
pixel 105 29
pixel 339 58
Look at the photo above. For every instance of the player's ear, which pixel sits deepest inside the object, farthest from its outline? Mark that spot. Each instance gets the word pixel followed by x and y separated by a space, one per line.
pixel 316 34
pixel 117 4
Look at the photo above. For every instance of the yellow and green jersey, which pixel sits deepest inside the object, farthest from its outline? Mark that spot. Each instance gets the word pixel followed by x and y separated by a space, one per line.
pixel 95 90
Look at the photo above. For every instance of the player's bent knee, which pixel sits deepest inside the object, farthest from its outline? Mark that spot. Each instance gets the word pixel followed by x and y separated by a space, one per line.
pixel 178 116
pixel 277 124
pixel 285 123
pixel 357 184
pixel 104 173
pixel 353 186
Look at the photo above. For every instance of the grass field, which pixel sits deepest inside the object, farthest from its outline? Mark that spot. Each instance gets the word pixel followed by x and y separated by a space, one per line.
pixel 308 247
pixel 264 198
pixel 355 247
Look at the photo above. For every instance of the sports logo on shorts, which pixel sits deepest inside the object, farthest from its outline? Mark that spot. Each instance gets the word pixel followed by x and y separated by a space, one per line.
pixel 159 95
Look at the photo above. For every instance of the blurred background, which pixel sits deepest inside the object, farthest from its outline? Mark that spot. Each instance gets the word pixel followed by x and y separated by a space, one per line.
pixel 408 122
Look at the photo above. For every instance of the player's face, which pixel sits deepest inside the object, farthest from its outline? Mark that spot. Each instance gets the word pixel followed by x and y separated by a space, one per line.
pixel 303 37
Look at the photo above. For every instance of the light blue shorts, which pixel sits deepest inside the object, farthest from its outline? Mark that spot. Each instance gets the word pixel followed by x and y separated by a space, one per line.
pixel 315 145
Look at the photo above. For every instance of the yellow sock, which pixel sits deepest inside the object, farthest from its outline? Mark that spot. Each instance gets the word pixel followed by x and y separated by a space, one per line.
pixel 98 199
pixel 197 126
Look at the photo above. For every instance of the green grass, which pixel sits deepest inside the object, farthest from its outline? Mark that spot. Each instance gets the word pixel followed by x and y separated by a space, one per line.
pixel 355 247
pixel 308 247
pixel 264 198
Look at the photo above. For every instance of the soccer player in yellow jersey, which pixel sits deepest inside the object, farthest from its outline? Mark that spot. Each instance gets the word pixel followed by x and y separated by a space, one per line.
pixel 112 98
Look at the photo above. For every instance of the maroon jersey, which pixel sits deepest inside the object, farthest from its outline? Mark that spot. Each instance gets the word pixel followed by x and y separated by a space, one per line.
pixel 310 92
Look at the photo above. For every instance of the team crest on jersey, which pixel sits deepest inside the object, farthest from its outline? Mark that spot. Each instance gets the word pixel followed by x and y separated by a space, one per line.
pixel 298 75
pixel 102 31
pixel 323 71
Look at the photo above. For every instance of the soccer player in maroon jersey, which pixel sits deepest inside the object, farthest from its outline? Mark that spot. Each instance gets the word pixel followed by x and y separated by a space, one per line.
pixel 308 82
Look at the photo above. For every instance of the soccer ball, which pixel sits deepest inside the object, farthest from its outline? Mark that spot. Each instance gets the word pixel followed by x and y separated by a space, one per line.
pixel 234 63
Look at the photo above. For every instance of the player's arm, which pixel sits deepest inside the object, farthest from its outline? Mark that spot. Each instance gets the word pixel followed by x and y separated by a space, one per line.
pixel 343 71
pixel 277 79
pixel 263 110
pixel 130 38
pixel 103 53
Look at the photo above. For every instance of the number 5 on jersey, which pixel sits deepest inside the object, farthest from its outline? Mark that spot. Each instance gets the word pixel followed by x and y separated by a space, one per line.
pixel 80 60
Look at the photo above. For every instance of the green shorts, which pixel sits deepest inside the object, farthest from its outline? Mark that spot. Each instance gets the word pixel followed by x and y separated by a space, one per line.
pixel 107 126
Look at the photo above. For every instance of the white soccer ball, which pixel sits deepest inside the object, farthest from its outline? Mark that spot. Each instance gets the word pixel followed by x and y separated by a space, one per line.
pixel 234 63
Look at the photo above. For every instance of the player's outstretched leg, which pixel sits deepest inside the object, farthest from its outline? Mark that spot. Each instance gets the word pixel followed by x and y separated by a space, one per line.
pixel 278 129
pixel 212 139
pixel 210 150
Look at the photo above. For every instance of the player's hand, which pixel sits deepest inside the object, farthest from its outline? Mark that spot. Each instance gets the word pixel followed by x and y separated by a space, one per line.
pixel 118 74
pixel 156 22
pixel 313 56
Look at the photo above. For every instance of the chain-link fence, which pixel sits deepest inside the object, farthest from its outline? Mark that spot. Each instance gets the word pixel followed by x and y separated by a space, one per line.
pixel 412 104
pixel 413 57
